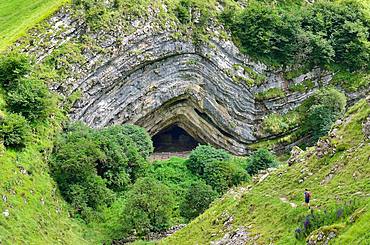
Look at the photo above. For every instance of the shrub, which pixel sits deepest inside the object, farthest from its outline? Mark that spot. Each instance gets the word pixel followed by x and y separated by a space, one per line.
pixel 260 160
pixel 149 206
pixel 197 199
pixel 123 162
pixel 323 109
pixel 222 175
pixel 182 11
pixel 14 130
pixel 270 94
pixel 174 174
pixel 315 220
pixel 31 98
pixel 345 27
pixel 204 154
pixel 89 162
pixel 319 121
pixel 73 166
pixel 12 67
pixel 140 137
pixel 323 33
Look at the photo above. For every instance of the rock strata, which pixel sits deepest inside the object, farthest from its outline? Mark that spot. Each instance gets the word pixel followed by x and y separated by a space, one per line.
pixel 150 77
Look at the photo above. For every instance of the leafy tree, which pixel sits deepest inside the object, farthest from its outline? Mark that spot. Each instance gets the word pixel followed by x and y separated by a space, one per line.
pixel 14 130
pixel 88 162
pixel 204 154
pixel 73 166
pixel 29 97
pixel 345 26
pixel 197 199
pixel 182 11
pixel 12 67
pixel 323 109
pixel 222 175
pixel 140 137
pixel 148 207
pixel 260 160
pixel 123 161
pixel 324 33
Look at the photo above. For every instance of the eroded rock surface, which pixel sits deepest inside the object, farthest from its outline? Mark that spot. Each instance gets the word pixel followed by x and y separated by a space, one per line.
pixel 152 78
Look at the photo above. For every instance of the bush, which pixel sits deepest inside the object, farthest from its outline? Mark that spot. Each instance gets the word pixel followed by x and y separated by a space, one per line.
pixel 323 33
pixel 324 108
pixel 260 160
pixel 204 154
pixel 12 67
pixel 14 130
pixel 174 174
pixel 123 162
pixel 149 206
pixel 182 11
pixel 73 166
pixel 222 175
pixel 197 199
pixel 89 162
pixel 322 220
pixel 31 98
pixel 140 137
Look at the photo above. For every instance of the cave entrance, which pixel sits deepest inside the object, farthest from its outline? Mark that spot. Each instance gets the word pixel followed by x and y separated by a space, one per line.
pixel 174 139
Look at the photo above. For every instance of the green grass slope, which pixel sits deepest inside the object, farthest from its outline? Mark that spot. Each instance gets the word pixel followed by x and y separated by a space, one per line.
pixel 17 16
pixel 265 209
pixel 31 208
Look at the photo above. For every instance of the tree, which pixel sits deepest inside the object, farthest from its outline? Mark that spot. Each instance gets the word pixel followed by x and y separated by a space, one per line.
pixel 260 160
pixel 197 199
pixel 12 67
pixel 14 130
pixel 222 175
pixel 149 206
pixel 204 154
pixel 30 98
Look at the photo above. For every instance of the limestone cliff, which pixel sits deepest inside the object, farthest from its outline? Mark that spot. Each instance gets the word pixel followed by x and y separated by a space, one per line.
pixel 148 71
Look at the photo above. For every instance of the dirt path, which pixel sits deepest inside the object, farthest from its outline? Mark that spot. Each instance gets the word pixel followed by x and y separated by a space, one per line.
pixel 167 155
pixel 285 200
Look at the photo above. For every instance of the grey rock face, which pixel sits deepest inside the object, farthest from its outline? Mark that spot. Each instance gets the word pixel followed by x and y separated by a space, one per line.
pixel 149 78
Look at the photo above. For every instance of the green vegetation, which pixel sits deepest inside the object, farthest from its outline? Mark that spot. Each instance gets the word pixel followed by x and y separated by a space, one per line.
pixel 324 33
pixel 323 109
pixel 90 165
pixel 260 160
pixel 149 206
pixel 301 87
pixel 104 173
pixel 32 210
pixel 197 199
pixel 260 209
pixel 109 189
pixel 204 154
pixel 313 118
pixel 17 16
pixel 14 131
pixel 272 93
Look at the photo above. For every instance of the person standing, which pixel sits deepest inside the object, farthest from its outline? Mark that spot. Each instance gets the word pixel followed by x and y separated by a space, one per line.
pixel 307 197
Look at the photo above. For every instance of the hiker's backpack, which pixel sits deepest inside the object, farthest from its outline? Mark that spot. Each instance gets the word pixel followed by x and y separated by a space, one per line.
pixel 307 194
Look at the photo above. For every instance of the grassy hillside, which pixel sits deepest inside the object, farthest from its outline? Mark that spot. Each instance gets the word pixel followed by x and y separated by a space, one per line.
pixel 17 16
pixel 31 208
pixel 266 211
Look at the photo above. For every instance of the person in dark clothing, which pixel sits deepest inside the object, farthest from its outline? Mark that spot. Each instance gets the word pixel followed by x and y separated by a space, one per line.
pixel 307 197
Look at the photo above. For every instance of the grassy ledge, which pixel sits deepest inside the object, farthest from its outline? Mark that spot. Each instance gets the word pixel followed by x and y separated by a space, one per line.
pixel 18 16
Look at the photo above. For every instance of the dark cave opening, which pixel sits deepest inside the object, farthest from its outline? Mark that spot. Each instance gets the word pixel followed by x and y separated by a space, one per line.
pixel 174 139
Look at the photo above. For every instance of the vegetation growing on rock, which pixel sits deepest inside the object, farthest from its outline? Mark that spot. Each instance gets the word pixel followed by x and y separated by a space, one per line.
pixel 103 186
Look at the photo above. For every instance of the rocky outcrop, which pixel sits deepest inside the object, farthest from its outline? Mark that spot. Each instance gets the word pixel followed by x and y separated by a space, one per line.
pixel 152 78
pixel 366 128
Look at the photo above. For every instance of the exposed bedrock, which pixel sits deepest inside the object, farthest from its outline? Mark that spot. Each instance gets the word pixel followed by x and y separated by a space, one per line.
pixel 154 80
